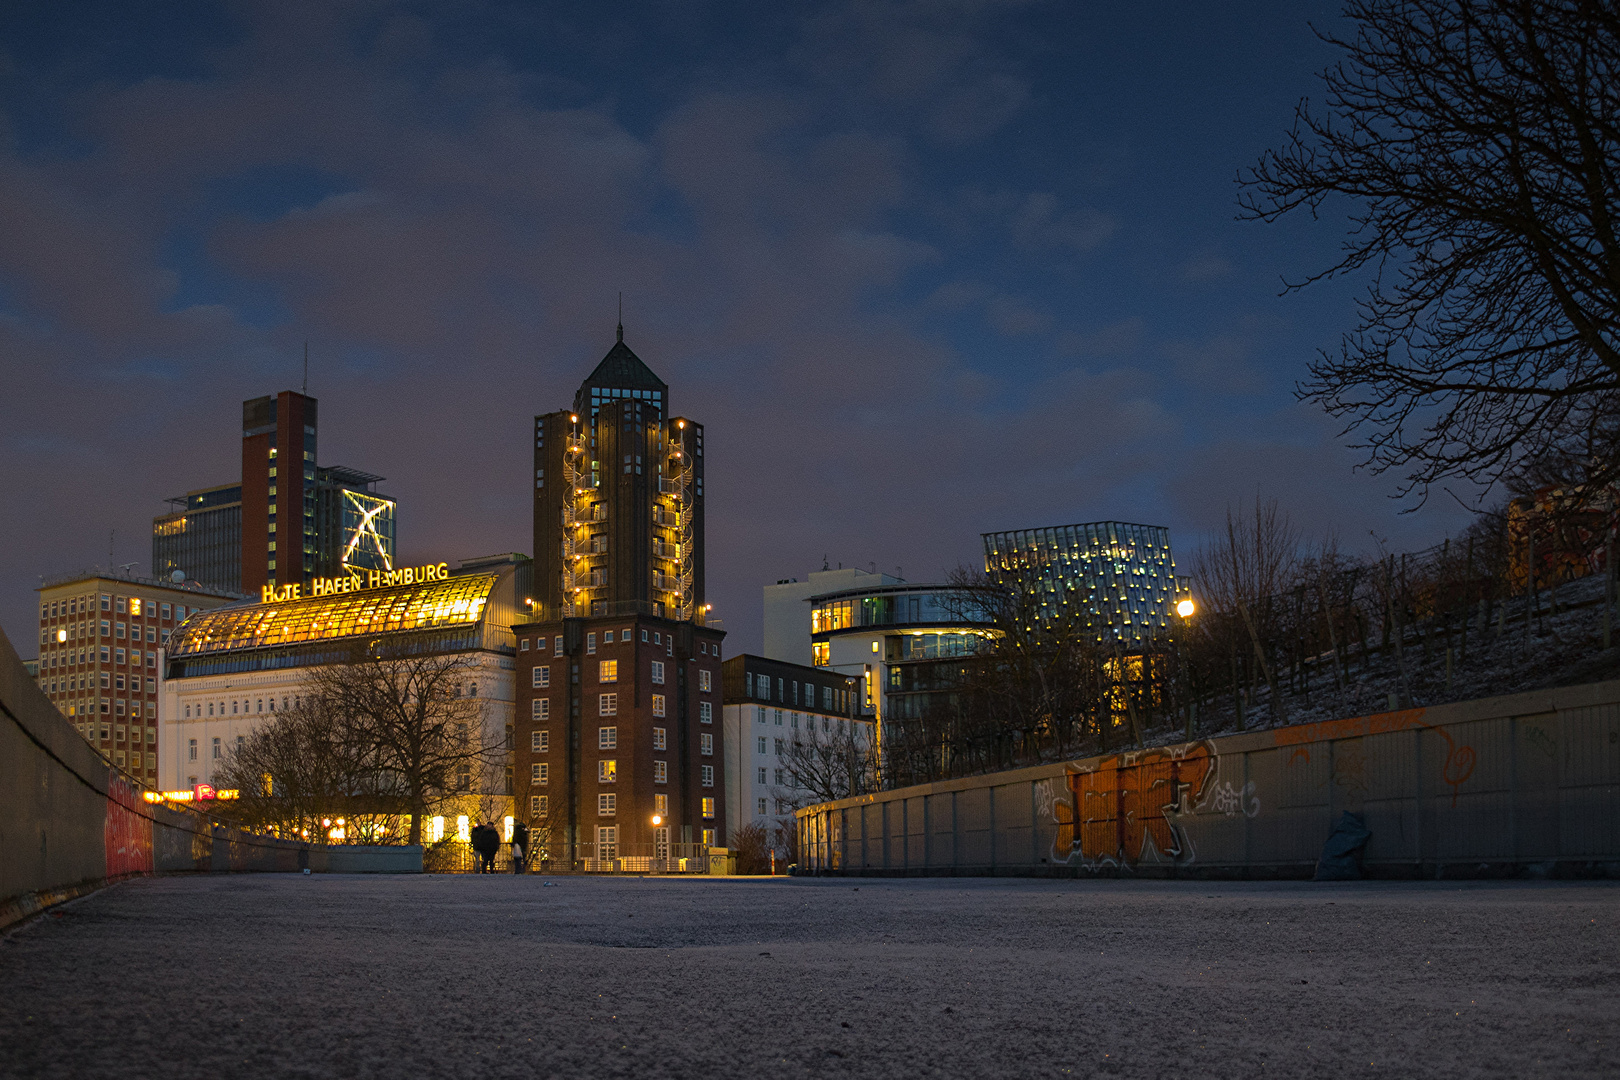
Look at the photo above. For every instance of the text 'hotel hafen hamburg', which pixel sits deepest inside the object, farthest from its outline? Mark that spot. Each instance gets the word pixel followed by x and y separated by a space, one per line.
pixel 618 743
pixel 232 668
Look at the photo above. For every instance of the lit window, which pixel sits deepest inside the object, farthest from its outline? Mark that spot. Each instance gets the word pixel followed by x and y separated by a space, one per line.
pixel 607 671
pixel 607 805
pixel 820 654
pixel 659 739
pixel 540 709
pixel 660 772
pixel 704 683
pixel 708 779
pixel 607 738
pixel 658 672
pixel 706 744
pixel 607 705
pixel 658 704
pixel 708 805
pixel 607 771
pixel 539 741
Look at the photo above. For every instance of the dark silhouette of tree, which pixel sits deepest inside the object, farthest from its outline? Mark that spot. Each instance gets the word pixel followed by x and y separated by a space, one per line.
pixel 1479 141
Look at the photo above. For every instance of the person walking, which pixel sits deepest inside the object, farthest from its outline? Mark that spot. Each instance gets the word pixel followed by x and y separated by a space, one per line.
pixel 486 842
pixel 520 847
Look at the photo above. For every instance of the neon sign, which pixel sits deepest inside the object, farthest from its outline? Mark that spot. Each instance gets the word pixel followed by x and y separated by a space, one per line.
pixel 355 582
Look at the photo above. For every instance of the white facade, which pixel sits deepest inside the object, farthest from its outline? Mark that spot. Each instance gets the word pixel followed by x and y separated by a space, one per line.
pixel 759 786
pixel 787 611
pixel 203 717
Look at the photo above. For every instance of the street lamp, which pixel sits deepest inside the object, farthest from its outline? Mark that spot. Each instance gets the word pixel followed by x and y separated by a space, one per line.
pixel 1185 608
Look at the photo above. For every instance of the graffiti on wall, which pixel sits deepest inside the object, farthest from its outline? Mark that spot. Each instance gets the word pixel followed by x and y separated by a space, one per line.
pixel 1130 804
pixel 127 831
pixel 1455 770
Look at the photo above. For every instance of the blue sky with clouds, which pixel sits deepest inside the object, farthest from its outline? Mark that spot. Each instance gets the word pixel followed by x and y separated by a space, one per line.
pixel 923 269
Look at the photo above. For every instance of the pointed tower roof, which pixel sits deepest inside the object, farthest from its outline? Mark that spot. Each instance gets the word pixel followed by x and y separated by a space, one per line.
pixel 621 374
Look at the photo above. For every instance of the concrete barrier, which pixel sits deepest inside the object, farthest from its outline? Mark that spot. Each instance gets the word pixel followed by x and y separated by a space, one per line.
pixel 70 822
pixel 1521 784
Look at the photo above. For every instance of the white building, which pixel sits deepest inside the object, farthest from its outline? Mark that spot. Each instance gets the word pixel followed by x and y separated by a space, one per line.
pixel 230 669
pixel 787 608
pixel 768 707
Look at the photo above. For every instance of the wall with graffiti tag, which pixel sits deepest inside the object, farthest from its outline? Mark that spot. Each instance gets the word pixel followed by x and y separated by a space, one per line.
pixel 1521 783
pixel 71 823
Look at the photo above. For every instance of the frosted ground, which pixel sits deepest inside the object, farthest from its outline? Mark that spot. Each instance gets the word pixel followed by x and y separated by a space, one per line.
pixel 350 976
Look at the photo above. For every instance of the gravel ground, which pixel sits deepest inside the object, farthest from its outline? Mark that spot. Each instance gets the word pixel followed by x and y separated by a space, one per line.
pixel 351 976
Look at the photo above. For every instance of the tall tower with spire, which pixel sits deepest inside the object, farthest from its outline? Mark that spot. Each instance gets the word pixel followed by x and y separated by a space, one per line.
pixel 618 499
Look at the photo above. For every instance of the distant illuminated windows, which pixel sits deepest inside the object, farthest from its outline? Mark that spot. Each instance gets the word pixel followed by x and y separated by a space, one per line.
pixel 659 739
pixel 607 671
pixel 658 704
pixel 708 800
pixel 704 681
pixel 660 772
pixel 820 653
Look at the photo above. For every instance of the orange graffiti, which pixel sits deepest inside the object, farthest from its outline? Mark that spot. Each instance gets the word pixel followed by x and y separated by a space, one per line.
pixel 1123 802
pixel 1458 766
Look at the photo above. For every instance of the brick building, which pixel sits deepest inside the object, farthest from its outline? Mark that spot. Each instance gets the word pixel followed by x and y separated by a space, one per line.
pixel 618 742
pixel 99 640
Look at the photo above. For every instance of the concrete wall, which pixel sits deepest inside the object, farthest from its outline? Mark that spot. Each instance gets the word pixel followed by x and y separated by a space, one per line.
pixel 1527 783
pixel 70 822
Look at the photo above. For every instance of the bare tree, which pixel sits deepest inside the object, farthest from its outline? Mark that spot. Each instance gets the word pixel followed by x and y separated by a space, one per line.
pixel 752 846
pixel 420 720
pixel 835 764
pixel 1246 570
pixel 1480 142
pixel 300 769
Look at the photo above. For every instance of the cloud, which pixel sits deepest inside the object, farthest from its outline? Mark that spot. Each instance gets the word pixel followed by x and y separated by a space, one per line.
pixel 1206 267
pixel 1040 223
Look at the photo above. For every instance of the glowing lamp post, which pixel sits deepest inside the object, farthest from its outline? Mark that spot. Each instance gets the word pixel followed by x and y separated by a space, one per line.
pixel 1185 608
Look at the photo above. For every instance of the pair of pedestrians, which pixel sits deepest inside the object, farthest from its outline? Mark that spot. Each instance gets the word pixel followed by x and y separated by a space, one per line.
pixel 486 841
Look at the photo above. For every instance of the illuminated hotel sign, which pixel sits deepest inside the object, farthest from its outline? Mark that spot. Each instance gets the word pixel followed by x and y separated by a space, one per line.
pixel 370 579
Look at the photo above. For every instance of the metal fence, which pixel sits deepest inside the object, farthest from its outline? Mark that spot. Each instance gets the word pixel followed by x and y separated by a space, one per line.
pixel 1522 783
pixel 458 857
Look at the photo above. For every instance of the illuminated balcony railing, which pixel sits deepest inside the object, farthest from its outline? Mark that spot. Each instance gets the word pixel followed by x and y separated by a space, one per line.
pixel 667 486
pixel 666 582
pixel 664 550
pixel 584 515
pixel 666 519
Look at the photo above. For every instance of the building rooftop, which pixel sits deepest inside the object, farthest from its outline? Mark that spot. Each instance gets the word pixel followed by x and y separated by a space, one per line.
pixel 439 605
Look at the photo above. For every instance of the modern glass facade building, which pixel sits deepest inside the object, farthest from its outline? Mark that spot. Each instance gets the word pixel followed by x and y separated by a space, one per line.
pixel 1115 579
pixel 287 520
pixel 903 643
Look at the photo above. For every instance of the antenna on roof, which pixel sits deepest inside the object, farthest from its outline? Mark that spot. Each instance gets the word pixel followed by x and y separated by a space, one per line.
pixel 621 316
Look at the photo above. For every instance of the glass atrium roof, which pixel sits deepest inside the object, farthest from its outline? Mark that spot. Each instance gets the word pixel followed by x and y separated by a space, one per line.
pixel 456 601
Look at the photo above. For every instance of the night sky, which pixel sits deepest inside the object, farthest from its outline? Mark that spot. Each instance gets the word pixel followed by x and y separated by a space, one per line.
pixel 924 270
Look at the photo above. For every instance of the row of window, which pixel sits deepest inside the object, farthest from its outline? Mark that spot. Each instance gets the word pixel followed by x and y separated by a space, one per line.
pixel 116 708
pixel 827 722
pixel 607 770
pixel 787 692
pixel 607 805
pixel 134 606
pixel 237 707
pixel 75 683
pixel 217 747
pixel 654 637
pixel 108 732
pixel 109 655
pixel 53 636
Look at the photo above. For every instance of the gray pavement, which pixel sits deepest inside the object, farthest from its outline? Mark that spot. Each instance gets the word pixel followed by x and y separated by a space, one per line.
pixel 348 976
